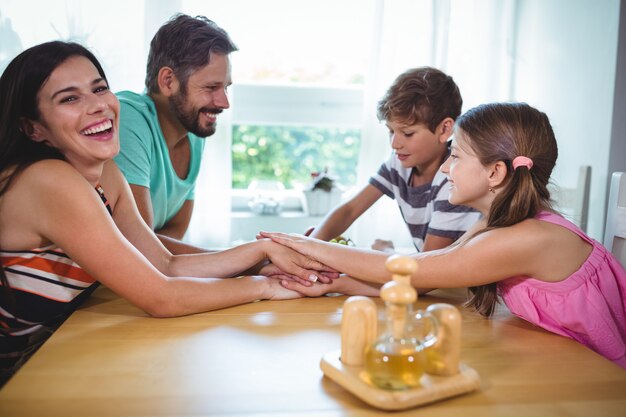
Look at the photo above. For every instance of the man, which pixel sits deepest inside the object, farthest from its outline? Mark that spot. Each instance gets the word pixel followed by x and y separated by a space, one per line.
pixel 162 131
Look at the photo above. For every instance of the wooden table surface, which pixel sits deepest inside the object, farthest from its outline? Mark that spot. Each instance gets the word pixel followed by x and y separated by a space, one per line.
pixel 262 359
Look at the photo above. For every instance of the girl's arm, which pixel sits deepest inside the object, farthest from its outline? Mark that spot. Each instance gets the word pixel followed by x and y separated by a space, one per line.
pixel 486 258
pixel 66 210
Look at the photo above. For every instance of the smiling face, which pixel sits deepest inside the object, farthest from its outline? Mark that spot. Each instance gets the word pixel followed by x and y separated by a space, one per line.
pixel 197 105
pixel 415 145
pixel 468 178
pixel 79 115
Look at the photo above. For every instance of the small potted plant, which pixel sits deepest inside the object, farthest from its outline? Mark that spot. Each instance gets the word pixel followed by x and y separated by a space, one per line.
pixel 322 193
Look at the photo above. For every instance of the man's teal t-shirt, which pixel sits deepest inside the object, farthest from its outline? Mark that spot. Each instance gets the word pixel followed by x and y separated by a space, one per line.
pixel 145 160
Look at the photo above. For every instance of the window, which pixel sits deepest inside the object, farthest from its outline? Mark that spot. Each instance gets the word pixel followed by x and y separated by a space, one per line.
pixel 289 154
pixel 297 94
pixel 284 133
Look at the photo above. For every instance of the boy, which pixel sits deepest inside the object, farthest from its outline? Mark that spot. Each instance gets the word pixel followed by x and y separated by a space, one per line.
pixel 419 109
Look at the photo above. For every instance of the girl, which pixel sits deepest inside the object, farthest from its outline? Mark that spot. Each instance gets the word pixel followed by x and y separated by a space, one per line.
pixel 68 219
pixel 545 269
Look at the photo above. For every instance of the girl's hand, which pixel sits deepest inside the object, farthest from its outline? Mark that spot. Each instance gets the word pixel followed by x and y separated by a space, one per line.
pixel 273 271
pixel 293 265
pixel 303 244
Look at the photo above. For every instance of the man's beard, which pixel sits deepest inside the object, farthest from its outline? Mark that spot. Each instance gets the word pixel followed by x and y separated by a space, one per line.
pixel 190 119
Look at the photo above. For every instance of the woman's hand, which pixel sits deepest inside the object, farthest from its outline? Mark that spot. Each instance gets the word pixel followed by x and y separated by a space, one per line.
pixel 345 285
pixel 274 290
pixel 273 271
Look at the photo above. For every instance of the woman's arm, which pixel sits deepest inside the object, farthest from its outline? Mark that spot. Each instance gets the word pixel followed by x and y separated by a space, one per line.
pixel 66 210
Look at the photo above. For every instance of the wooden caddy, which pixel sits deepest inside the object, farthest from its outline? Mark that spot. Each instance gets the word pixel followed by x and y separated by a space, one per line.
pixel 434 388
pixel 445 375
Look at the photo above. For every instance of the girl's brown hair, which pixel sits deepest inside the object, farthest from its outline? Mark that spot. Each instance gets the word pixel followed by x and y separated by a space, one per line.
pixel 501 132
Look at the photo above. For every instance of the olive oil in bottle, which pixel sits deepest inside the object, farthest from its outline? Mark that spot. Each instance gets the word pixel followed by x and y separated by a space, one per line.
pixel 397 369
pixel 395 361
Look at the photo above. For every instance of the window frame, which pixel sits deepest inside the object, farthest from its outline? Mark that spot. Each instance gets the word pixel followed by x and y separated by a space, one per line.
pixel 292 105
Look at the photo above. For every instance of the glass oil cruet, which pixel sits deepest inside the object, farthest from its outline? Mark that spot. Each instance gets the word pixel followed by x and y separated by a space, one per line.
pixel 396 360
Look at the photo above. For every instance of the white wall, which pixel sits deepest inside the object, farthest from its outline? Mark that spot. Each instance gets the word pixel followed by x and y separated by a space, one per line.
pixel 617 157
pixel 565 65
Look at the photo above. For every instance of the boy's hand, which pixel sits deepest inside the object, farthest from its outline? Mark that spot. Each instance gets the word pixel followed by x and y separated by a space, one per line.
pixel 383 245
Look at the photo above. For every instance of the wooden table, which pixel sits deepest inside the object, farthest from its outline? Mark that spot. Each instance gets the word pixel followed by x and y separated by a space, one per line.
pixel 262 359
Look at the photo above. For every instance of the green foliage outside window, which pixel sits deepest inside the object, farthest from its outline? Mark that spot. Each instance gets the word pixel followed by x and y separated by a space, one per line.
pixel 291 154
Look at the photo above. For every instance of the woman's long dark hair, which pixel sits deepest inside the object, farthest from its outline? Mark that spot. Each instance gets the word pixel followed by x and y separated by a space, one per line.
pixel 501 132
pixel 19 86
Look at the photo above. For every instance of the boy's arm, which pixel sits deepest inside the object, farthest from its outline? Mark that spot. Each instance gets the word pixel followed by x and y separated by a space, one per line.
pixel 338 220
pixel 434 242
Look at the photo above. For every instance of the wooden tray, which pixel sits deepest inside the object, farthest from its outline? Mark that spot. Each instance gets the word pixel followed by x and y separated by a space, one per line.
pixel 434 388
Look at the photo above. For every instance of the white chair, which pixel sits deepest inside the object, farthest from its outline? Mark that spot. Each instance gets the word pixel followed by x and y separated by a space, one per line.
pixel 615 231
pixel 573 203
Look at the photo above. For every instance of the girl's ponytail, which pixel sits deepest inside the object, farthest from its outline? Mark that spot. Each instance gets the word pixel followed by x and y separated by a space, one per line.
pixel 522 137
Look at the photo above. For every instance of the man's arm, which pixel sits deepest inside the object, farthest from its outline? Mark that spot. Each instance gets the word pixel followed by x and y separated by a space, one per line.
pixel 178 247
pixel 177 226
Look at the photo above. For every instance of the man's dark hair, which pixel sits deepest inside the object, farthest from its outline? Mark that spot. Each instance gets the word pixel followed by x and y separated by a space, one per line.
pixel 184 44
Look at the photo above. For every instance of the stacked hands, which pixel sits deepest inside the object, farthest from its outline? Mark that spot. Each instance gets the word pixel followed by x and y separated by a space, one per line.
pixel 286 262
pixel 314 279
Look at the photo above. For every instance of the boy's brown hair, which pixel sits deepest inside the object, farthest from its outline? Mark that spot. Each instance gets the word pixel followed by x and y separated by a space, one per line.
pixel 421 95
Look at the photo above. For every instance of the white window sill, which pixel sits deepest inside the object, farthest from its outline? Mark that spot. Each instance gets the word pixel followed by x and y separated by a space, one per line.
pixel 291 214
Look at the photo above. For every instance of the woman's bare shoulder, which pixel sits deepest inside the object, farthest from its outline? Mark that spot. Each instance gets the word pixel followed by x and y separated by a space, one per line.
pixel 48 174
pixel 26 202
pixel 48 171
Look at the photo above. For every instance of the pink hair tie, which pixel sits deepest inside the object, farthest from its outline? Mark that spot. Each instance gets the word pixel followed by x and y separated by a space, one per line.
pixel 522 161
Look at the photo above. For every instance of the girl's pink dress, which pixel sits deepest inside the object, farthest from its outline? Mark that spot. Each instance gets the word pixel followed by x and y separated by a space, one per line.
pixel 589 306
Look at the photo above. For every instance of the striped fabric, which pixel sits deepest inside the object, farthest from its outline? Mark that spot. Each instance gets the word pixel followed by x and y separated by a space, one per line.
pixel 45 287
pixel 47 273
pixel 425 208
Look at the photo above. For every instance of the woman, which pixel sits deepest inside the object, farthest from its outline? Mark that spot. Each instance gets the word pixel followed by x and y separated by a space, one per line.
pixel 546 269
pixel 68 219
